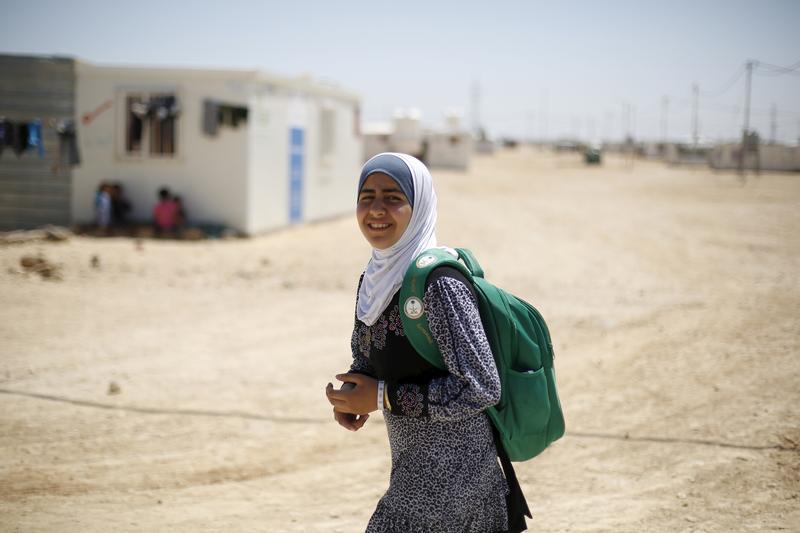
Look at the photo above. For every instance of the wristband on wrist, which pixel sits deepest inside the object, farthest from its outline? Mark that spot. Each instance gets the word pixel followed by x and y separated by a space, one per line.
pixel 381 388
pixel 386 403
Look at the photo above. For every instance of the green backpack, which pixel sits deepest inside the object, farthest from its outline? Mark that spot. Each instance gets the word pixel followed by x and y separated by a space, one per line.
pixel 528 416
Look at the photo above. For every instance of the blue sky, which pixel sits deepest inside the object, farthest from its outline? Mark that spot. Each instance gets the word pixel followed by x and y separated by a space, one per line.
pixel 568 68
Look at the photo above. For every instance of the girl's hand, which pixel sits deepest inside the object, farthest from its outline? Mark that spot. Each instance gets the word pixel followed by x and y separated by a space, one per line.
pixel 349 421
pixel 358 399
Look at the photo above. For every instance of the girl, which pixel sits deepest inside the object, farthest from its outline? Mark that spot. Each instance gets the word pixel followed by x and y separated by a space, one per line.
pixel 445 476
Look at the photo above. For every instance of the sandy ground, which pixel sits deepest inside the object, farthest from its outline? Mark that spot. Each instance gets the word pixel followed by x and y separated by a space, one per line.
pixel 673 296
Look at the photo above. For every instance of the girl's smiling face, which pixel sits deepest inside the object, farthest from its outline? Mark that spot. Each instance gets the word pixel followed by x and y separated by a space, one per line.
pixel 383 211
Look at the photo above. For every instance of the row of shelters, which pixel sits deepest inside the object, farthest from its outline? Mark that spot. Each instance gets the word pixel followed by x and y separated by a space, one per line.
pixel 750 155
pixel 247 150
pixel 450 147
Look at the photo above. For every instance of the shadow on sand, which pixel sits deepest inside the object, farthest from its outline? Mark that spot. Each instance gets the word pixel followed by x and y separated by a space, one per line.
pixel 306 420
pixel 158 411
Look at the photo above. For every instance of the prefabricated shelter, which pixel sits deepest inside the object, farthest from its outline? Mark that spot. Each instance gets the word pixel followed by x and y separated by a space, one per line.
pixel 407 135
pixel 686 154
pixel 765 157
pixel 448 150
pixel 403 134
pixel 244 149
pixel 450 147
pixel 37 148
pixel 377 138
pixel 483 144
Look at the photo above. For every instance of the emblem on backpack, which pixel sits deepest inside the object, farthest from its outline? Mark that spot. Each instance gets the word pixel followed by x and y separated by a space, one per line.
pixel 413 308
pixel 425 260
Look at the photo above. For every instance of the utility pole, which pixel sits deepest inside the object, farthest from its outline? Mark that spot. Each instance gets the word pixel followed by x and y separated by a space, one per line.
pixel 625 121
pixel 476 100
pixel 576 128
pixel 627 135
pixel 543 113
pixel 747 83
pixel 695 97
pixel 746 130
pixel 530 133
pixel 773 126
pixel 664 111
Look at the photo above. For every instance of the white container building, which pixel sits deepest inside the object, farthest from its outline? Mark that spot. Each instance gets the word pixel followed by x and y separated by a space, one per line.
pixel 377 138
pixel 767 157
pixel 450 147
pixel 407 134
pixel 244 149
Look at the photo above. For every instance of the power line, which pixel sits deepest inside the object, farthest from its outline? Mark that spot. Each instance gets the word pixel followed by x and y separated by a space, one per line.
pixel 790 68
pixel 685 103
pixel 767 69
pixel 776 70
pixel 719 92
pixel 775 73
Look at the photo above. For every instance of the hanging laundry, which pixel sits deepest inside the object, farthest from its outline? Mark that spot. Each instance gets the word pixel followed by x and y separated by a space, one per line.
pixel 6 135
pixel 135 127
pixel 216 114
pixel 210 117
pixel 35 136
pixel 139 109
pixel 68 154
pixel 238 115
pixel 162 107
pixel 19 140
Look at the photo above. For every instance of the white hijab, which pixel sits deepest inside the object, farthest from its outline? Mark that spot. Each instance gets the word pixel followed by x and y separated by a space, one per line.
pixel 385 270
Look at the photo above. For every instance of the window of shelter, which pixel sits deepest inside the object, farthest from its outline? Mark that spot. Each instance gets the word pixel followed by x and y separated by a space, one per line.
pixel 151 120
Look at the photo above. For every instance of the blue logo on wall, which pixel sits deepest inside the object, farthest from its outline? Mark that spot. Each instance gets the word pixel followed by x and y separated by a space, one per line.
pixel 295 175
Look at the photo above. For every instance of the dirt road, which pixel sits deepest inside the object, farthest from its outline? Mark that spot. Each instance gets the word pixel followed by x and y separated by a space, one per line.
pixel 178 386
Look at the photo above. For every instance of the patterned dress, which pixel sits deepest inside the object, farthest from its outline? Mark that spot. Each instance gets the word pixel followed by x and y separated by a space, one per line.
pixel 445 476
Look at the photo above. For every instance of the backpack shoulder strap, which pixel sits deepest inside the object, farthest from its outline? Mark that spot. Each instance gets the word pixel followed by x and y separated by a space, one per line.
pixel 472 264
pixel 412 306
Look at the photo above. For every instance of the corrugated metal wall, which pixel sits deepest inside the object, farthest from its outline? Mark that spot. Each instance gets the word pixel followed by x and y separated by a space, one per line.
pixel 35 190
